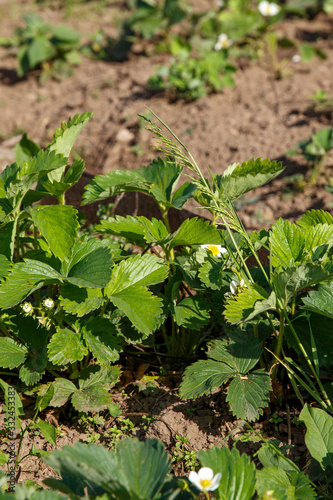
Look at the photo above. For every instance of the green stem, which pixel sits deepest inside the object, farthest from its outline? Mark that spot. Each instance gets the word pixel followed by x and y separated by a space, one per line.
pixel 62 200
pixel 279 345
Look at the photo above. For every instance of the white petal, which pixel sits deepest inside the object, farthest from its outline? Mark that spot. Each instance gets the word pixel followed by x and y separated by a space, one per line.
pixel 215 482
pixel 223 250
pixel 233 287
pixel 223 37
pixel 194 478
pixel 206 473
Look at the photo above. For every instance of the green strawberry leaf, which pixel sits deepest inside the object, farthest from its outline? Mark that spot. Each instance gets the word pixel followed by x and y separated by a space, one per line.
pixel 24 278
pixel 203 376
pixel 66 346
pixel 248 395
pixel 58 224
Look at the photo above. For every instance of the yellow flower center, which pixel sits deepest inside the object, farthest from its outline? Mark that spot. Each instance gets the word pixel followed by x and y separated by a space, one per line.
pixel 205 483
pixel 214 249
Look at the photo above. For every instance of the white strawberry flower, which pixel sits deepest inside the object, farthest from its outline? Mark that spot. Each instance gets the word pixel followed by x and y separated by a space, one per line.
pixel 268 9
pixel 234 286
pixel 27 308
pixel 223 42
pixel 205 480
pixel 48 303
pixel 217 250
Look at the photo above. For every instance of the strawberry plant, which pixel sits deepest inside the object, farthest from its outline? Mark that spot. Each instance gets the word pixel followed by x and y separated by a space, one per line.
pixel 39 45
pixel 62 296
pixel 192 78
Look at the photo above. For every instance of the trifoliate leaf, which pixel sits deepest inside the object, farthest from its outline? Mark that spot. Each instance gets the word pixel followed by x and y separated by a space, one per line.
pixel 66 346
pixel 202 377
pixel 58 224
pixel 7 240
pixel 90 264
pixel 249 394
pixel 192 312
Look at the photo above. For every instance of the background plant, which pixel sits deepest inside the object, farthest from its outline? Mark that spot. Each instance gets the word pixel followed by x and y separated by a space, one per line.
pixel 39 45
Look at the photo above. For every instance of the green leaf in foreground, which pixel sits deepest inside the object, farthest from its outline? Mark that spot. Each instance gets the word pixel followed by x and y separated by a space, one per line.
pixel 285 485
pixel 240 306
pixel 90 264
pixel 238 472
pixel 136 470
pixel 93 393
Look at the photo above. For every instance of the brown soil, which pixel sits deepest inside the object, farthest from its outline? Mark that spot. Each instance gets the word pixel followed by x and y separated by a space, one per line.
pixel 259 117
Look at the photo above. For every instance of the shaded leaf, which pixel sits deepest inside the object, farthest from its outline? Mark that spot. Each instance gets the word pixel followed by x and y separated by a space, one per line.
pixel 202 377
pixel 12 354
pixel 192 312
pixel 80 301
